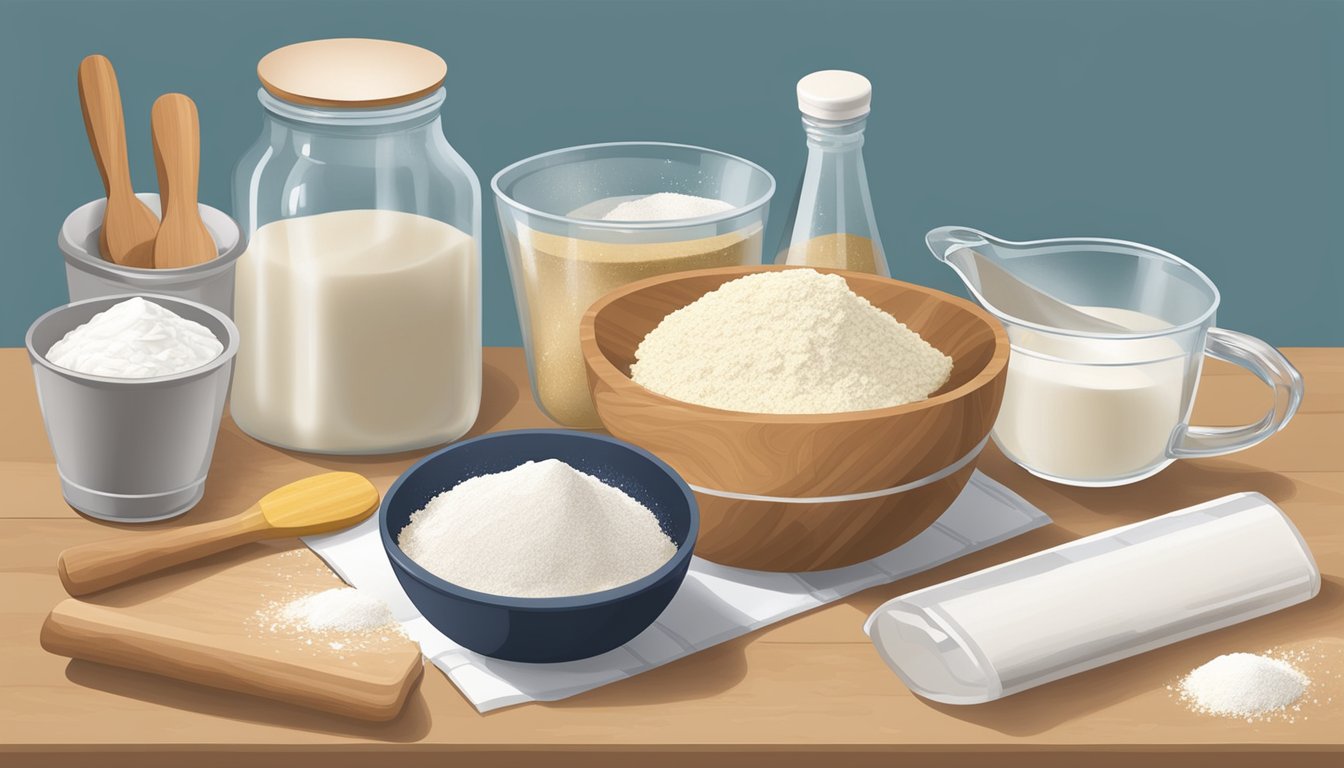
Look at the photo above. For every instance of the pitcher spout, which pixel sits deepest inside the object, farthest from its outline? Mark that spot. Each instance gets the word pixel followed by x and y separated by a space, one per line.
pixel 993 272
pixel 945 241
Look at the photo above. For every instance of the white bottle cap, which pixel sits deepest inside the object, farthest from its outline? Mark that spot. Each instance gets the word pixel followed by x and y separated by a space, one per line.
pixel 834 94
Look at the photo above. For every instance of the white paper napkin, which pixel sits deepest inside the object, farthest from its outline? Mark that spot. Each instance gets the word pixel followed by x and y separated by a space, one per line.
pixel 715 604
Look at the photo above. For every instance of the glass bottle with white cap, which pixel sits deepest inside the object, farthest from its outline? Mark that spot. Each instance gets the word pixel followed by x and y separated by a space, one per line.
pixel 831 223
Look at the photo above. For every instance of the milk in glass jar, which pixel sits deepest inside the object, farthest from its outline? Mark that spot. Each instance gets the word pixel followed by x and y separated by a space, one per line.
pixel 358 299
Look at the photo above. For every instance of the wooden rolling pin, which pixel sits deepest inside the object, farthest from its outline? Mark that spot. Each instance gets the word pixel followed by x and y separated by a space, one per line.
pixel 272 667
pixel 319 504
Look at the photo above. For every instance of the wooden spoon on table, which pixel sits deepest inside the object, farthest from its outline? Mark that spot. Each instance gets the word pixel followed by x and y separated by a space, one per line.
pixel 183 240
pixel 319 504
pixel 129 226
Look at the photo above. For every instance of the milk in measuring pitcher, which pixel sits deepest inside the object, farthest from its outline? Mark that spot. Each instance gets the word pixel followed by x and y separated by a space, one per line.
pixel 1083 408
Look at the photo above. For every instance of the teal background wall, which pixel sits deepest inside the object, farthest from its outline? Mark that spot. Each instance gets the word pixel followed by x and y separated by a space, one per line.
pixel 1211 129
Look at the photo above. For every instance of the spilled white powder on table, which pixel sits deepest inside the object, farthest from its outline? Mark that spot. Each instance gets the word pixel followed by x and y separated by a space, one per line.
pixel 542 529
pixel 792 341
pixel 343 609
pixel 1244 685
pixel 667 206
pixel 292 616
pixel 136 339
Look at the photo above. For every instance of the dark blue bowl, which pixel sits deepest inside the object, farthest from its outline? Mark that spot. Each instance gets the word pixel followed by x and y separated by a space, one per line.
pixel 543 629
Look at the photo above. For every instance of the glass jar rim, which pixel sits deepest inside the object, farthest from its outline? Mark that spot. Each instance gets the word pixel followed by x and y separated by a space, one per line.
pixel 502 183
pixel 352 116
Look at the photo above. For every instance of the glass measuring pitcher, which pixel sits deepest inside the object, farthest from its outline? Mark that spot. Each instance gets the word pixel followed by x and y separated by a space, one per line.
pixel 1108 339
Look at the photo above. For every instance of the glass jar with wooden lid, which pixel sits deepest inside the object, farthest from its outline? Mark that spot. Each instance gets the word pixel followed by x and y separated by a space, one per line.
pixel 359 295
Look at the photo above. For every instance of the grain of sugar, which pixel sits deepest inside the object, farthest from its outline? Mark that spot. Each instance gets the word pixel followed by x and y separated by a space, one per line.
pixel 793 341
pixel 542 529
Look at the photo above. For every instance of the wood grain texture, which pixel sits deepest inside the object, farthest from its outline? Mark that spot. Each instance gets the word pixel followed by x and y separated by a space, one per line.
pixel 768 536
pixel 182 240
pixel 803 455
pixel 351 72
pixel 100 565
pixel 129 226
pixel 675 756
pixel 322 503
pixel 164 647
pixel 807 690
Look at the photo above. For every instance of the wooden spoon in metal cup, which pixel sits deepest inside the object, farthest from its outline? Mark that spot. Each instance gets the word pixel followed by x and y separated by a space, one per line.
pixel 319 504
pixel 183 240
pixel 129 226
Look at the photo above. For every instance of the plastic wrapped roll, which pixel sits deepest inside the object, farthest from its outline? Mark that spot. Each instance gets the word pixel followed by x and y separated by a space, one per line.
pixel 1096 600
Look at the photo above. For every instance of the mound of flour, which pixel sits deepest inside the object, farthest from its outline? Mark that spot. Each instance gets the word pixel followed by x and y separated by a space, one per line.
pixel 793 341
pixel 542 529
pixel 136 339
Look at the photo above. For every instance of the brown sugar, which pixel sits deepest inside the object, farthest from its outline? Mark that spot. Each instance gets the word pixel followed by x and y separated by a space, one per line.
pixel 563 276
pixel 839 250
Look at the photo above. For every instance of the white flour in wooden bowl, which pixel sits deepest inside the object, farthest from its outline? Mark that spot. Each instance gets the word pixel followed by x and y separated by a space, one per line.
pixel 793 341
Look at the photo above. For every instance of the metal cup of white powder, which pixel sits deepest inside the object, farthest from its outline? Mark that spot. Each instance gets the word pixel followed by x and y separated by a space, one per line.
pixel 132 389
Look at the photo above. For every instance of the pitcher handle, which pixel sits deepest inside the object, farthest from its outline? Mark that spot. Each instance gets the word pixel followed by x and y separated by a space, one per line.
pixel 1268 365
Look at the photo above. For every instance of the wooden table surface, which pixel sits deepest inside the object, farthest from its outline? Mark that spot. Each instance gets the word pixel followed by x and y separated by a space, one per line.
pixel 787 693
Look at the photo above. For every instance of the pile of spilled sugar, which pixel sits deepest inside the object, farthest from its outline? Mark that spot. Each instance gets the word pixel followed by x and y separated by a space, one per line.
pixel 667 206
pixel 542 529
pixel 1244 685
pixel 339 619
pixel 343 609
pixel 794 341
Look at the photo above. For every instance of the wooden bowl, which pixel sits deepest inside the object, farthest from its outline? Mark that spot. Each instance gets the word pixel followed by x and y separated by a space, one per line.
pixel 768 484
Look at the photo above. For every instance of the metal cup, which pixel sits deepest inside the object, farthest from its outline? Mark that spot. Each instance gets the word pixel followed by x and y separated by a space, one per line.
pixel 131 450
pixel 90 276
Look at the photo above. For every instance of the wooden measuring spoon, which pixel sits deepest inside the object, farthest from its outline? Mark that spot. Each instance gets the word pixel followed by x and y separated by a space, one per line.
pixel 129 226
pixel 318 504
pixel 183 240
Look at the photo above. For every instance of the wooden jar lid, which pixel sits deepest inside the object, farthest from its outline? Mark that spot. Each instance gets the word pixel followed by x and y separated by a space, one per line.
pixel 351 72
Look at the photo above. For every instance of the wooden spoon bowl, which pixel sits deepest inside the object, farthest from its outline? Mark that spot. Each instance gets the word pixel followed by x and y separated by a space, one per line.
pixel 755 473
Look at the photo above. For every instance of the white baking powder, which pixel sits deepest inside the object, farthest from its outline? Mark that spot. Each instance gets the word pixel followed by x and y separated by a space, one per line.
pixel 542 529
pixel 666 206
pixel 1243 685
pixel 794 341
pixel 135 339
pixel 343 609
